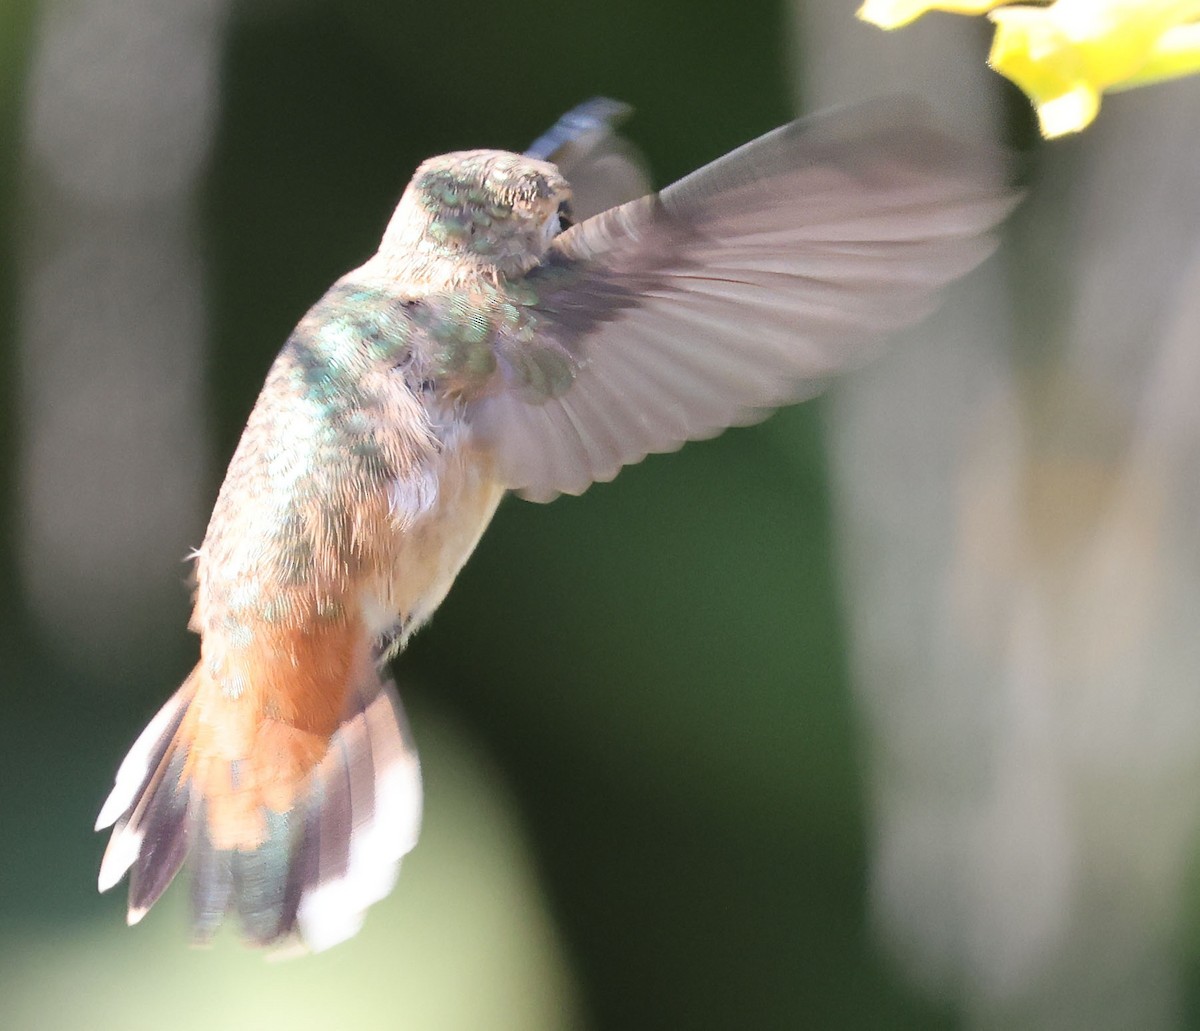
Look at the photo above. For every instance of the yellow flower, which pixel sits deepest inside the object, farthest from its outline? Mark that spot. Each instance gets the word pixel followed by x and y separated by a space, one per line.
pixel 1064 55
pixel 891 14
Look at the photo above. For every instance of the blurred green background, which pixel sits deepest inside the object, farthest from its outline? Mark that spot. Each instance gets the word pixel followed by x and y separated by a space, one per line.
pixel 649 798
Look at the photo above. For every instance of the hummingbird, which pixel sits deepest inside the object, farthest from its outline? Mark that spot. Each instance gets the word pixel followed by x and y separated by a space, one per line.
pixel 511 334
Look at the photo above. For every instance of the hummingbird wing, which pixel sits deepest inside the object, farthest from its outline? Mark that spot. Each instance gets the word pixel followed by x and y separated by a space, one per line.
pixel 733 291
pixel 603 168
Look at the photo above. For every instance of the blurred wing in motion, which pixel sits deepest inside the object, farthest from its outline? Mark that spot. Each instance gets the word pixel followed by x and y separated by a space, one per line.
pixel 603 169
pixel 735 290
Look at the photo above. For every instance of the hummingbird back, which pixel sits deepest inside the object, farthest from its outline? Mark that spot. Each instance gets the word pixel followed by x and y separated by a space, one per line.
pixel 283 765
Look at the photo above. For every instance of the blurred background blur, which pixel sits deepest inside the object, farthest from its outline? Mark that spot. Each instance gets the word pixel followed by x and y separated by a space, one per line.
pixel 882 714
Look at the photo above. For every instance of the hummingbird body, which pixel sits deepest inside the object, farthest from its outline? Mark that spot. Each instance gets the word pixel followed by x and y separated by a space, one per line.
pixel 350 505
pixel 491 346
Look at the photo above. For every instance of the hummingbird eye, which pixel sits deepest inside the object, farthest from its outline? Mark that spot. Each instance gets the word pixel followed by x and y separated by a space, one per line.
pixel 565 217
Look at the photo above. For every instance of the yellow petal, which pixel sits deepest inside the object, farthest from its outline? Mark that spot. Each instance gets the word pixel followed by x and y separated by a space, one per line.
pixel 1035 53
pixel 1176 53
pixel 1064 56
pixel 1069 112
pixel 891 14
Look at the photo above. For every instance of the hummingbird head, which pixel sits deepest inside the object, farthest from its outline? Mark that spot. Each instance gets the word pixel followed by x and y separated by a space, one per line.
pixel 487 211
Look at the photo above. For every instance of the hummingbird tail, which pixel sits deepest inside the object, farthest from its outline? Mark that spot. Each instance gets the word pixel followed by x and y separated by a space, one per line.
pixel 312 866
pixel 149 809
pixel 336 851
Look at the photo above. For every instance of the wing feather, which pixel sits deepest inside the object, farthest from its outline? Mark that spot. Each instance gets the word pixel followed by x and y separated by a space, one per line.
pixel 739 288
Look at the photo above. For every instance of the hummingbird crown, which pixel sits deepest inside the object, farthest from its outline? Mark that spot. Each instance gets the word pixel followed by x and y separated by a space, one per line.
pixel 487 209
